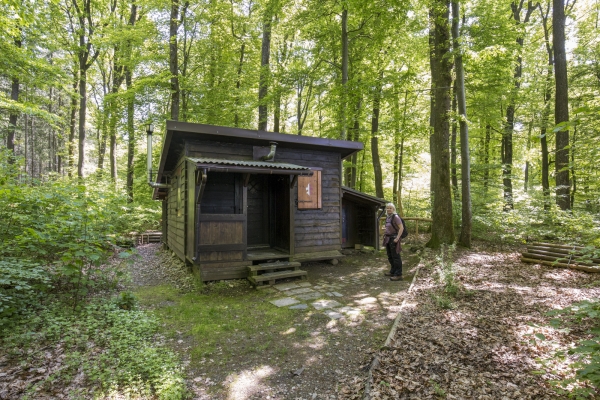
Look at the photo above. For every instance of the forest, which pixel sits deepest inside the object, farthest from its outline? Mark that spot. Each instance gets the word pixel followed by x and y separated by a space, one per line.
pixel 481 115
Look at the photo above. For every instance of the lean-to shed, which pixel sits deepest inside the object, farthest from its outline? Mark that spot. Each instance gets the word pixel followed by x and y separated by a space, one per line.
pixel 234 197
pixel 360 213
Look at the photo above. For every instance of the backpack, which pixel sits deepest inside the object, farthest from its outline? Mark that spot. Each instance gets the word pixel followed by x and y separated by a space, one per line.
pixel 404 231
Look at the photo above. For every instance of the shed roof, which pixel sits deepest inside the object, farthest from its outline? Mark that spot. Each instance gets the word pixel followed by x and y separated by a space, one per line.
pixel 361 197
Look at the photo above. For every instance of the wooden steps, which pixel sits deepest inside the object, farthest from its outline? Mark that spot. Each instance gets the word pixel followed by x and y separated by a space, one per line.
pixel 559 255
pixel 265 274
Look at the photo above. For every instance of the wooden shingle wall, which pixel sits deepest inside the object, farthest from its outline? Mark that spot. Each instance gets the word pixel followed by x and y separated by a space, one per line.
pixel 317 230
pixel 176 212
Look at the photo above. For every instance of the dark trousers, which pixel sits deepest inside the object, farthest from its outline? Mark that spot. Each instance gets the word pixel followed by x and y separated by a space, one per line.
pixel 394 258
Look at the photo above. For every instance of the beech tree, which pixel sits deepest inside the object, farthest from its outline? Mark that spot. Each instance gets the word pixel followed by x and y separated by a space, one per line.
pixel 441 76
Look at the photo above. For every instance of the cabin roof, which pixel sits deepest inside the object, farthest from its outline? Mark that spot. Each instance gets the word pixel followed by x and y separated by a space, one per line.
pixel 349 193
pixel 179 132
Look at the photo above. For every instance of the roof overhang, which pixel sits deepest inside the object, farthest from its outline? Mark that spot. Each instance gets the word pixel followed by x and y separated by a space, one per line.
pixel 249 167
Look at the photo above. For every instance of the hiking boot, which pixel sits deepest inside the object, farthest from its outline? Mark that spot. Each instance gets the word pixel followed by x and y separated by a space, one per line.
pixel 396 278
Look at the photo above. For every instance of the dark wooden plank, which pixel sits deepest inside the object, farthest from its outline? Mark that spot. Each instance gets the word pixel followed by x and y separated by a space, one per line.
pixel 315 249
pixel 222 217
pixel 276 275
pixel 204 248
pixel 220 256
pixel 274 265
pixel 217 265
pixel 234 151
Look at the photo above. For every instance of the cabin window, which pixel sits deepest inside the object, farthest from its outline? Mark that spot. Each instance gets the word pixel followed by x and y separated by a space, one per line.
pixel 222 194
pixel 309 192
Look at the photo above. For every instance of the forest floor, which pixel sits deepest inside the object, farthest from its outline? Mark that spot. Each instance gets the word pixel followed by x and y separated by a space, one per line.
pixel 487 341
pixel 481 342
pixel 482 336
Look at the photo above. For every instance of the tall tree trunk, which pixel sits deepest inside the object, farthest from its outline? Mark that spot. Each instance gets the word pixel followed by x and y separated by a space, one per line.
pixel 545 167
pixel 174 24
pixel 350 173
pixel 13 116
pixel 433 65
pixel 86 58
pixel 507 136
pixel 465 157
pixel 12 120
pixel 103 134
pixel 527 163
pixel 72 126
pixel 573 176
pixel 130 133
pixel 507 157
pixel 399 146
pixel 561 105
pixel 442 226
pixel 345 58
pixel 265 55
pixel 375 140
pixel 453 176
pixel 486 157
pixel 82 117
pixel 238 85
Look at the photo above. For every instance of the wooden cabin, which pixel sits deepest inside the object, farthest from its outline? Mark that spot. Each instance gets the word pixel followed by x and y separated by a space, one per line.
pixel 234 198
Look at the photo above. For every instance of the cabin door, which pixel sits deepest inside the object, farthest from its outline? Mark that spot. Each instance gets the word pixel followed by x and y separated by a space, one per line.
pixel 268 211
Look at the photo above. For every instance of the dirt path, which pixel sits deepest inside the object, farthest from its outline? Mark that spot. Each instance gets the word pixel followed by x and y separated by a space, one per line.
pixel 338 343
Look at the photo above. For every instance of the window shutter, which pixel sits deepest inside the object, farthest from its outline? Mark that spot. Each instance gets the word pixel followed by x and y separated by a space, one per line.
pixel 309 191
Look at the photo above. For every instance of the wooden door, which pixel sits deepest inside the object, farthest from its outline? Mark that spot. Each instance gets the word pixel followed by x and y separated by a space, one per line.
pixel 280 211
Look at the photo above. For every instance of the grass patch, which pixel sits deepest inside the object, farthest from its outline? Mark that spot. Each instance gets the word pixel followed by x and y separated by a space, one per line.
pixel 223 324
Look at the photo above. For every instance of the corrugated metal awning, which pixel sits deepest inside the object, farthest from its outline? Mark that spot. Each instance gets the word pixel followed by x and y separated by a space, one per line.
pixel 252 167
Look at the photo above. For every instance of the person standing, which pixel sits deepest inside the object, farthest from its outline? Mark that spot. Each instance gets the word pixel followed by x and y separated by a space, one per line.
pixel 391 241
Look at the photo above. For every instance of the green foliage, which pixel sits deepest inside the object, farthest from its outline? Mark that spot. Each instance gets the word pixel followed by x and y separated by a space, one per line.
pixel 59 245
pixel 21 285
pixel 586 354
pixel 530 222
pixel 115 350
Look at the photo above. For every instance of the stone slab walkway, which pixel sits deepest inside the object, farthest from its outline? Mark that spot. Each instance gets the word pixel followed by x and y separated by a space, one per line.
pixel 337 297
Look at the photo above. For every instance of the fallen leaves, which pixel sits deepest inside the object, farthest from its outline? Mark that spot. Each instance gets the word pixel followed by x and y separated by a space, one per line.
pixel 487 345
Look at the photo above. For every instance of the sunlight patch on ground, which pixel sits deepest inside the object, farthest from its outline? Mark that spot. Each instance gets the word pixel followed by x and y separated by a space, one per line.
pixel 367 300
pixel 289 331
pixel 247 384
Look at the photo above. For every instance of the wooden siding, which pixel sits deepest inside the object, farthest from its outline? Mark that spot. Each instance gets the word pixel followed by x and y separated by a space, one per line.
pixel 317 230
pixel 230 151
pixel 190 210
pixel 221 237
pixel 176 212
pixel 226 270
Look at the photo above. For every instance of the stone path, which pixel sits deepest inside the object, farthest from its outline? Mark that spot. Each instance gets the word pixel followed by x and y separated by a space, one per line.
pixel 334 299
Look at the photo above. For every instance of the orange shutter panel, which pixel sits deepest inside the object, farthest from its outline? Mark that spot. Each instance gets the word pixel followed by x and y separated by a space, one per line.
pixel 309 191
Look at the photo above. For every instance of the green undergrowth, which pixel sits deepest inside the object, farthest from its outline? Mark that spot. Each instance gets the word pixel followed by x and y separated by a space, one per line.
pixel 222 324
pixel 112 348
